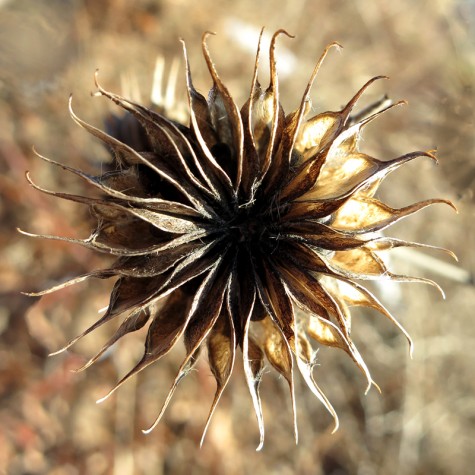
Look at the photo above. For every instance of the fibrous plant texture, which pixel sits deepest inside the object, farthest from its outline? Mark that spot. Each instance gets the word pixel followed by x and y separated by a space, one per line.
pixel 246 231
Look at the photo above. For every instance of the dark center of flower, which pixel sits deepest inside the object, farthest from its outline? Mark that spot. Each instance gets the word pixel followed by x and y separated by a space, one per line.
pixel 248 230
pixel 251 229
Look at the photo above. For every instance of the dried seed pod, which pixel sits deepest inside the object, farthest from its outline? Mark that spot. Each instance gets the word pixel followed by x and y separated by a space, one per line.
pixel 250 227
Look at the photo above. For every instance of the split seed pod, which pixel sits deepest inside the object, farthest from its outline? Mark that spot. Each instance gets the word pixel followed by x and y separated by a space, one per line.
pixel 246 231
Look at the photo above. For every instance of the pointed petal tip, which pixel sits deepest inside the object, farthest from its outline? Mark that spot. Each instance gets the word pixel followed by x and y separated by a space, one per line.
pixel 260 446
pixel 22 232
pixel 336 425
pixel 37 294
pixel 452 205
pixel 57 352
pixel 96 78
pixel 107 396
pixel 376 385
pixel 208 33
pixel 201 440
pixel 148 431
pixel 32 294
pixel 66 347
pixel 84 366
pixel 156 421
pixel 281 31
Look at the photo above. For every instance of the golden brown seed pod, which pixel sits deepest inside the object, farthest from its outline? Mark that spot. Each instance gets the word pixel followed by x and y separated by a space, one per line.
pixel 247 229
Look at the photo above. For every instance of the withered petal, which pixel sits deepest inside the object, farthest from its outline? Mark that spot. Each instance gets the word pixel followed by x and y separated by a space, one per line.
pixel 135 321
pixel 221 354
pixel 205 310
pixel 278 352
pixel 369 215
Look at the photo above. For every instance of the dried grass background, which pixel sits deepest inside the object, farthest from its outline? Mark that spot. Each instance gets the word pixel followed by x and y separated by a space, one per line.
pixel 424 421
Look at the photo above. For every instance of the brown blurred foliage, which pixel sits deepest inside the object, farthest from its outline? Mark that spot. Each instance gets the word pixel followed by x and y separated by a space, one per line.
pixel 424 421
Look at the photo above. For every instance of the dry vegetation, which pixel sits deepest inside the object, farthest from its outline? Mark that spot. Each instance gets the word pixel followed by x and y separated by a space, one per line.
pixel 424 421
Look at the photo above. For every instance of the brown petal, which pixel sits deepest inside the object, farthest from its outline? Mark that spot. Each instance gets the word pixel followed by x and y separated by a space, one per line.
pixel 268 115
pixel 313 209
pixel 135 321
pixel 164 331
pixel 277 349
pixel 241 294
pixel 367 215
pixel 205 310
pixel 279 326
pixel 204 132
pixel 250 166
pixel 310 294
pixel 159 219
pixel 221 353
pixel 273 296
pixel 320 235
pixel 128 293
pixel 345 173
pixel 97 274
pixel 281 163
pixel 361 262
pixel 304 178
pixel 347 141
pixel 98 241
pixel 165 222
pixel 155 264
pixel 225 117
pixel 133 157
pixel 364 264
pixel 355 294
pixel 386 243
pixel 253 359
pixel 205 318
pixel 306 366
pixel 317 133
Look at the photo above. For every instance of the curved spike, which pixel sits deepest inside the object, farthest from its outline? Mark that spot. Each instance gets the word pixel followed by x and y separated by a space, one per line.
pixel 95 182
pixel 135 321
pixel 185 368
pixel 76 280
pixel 250 155
pixel 255 80
pixel 253 368
pixel 89 243
pixel 369 300
pixel 387 243
pixel 108 316
pixel 421 280
pixel 351 104
pixel 370 118
pixel 290 135
pixel 306 372
pixel 283 363
pixel 273 85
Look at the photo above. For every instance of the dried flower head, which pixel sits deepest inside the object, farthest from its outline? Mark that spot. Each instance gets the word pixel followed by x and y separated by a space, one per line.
pixel 247 228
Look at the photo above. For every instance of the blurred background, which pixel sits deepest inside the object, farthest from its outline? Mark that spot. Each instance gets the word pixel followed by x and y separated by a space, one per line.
pixel 424 420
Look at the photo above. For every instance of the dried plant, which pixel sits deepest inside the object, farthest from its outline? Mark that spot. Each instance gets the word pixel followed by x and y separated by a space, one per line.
pixel 246 228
